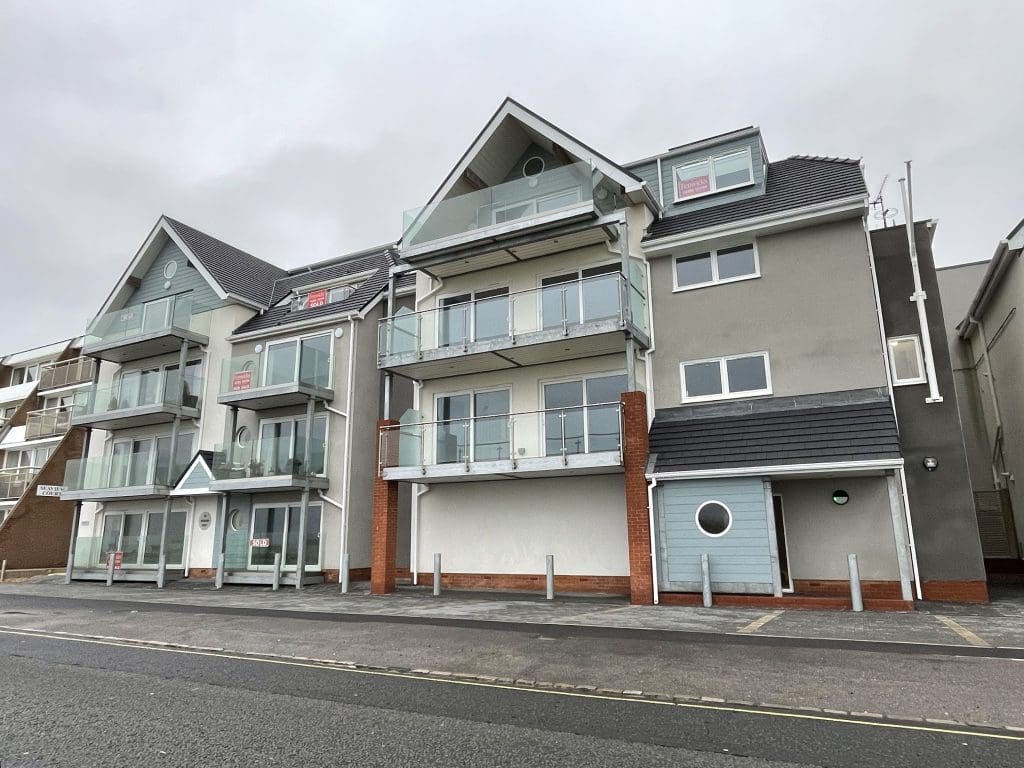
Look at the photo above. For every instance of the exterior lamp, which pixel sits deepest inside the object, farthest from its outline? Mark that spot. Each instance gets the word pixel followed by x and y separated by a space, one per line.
pixel 930 463
pixel 840 497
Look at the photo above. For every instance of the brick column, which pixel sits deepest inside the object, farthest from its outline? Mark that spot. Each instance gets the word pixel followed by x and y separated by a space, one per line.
pixel 638 529
pixel 384 546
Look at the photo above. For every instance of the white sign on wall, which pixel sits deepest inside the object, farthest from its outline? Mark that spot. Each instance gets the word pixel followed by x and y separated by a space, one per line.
pixel 49 490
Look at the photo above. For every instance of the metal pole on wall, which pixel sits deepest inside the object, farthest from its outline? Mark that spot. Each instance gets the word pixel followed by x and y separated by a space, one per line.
pixel 277 572
pixel 344 573
pixel 550 577
pixel 219 583
pixel 437 574
pixel 75 522
pixel 705 577
pixel 300 564
pixel 855 594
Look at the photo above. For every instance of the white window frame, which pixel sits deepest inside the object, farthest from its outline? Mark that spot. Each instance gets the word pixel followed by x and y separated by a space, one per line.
pixel 582 378
pixel 534 205
pixel 724 373
pixel 577 281
pixel 295 420
pixel 715 280
pixel 471 393
pixel 898 382
pixel 439 310
pixel 288 506
pixel 710 160
pixel 267 344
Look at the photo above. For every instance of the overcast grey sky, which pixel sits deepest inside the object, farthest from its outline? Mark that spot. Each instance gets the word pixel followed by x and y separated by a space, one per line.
pixel 301 130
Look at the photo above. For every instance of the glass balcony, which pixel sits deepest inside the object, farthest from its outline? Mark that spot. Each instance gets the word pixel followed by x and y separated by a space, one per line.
pixel 48 422
pixel 586 438
pixel 270 464
pixel 140 398
pixel 124 473
pixel 513 206
pixel 14 482
pixel 145 330
pixel 67 373
pixel 561 320
pixel 283 374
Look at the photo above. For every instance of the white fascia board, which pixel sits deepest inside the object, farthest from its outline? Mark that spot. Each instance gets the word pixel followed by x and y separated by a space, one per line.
pixel 752 226
pixel 39 353
pixel 221 293
pixel 783 469
pixel 286 327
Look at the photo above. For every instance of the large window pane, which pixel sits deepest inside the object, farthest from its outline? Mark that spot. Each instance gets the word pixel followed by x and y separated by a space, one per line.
pixel 747 374
pixel 317 446
pixel 693 179
pixel 558 200
pixel 453 428
pixel 731 170
pixel 138 473
pixel 155 315
pixel 275 450
pixel 111 536
pixel 490 427
pixel 268 527
pixel 281 363
pixel 906 359
pixel 151 551
pixel 603 422
pixel 315 361
pixel 736 262
pixel 312 547
pixel 490 314
pixel 513 211
pixel 560 300
pixel 601 292
pixel 128 391
pixel 454 320
pixel 702 379
pixel 694 270
pixel 563 421
pixel 131 539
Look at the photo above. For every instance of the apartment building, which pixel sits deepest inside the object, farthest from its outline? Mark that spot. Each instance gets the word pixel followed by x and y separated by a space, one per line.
pixel 225 425
pixel 646 370
pixel 985 341
pixel 37 390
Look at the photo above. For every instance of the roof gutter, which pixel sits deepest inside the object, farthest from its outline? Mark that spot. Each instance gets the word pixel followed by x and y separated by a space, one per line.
pixel 311 323
pixel 824 468
pixel 989 284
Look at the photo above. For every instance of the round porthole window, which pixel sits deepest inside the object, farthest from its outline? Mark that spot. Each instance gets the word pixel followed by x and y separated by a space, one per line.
pixel 170 269
pixel 533 167
pixel 235 520
pixel 840 497
pixel 242 437
pixel 714 518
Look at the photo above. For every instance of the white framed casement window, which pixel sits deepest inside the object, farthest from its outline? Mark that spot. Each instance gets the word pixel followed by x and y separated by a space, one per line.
pixel 305 359
pixel 718 173
pixel 472 426
pixel 722 378
pixel 906 361
pixel 723 265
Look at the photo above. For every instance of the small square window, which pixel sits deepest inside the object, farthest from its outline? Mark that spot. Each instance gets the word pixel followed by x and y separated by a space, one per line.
pixel 703 379
pixel 726 377
pixel 694 270
pixel 736 262
pixel 721 266
pixel 747 374
pixel 906 361
pixel 732 170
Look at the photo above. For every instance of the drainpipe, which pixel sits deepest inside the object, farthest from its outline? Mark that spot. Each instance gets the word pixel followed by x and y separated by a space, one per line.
pixel 910 532
pixel 919 294
pixel 651 485
pixel 414 512
pixel 649 353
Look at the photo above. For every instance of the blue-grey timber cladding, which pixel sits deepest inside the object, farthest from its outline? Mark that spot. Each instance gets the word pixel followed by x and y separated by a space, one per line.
pixel 186 279
pixel 740 559
pixel 196 480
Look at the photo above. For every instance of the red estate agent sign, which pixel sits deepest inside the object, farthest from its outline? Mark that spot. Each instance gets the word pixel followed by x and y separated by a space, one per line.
pixel 695 186
pixel 316 298
pixel 118 558
pixel 241 380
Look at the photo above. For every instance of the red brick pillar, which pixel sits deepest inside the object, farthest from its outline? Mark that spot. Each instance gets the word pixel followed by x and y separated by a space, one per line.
pixel 384 546
pixel 638 529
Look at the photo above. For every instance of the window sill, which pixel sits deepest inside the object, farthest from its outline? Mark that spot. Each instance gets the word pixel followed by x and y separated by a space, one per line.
pixel 702 195
pixel 712 284
pixel 909 382
pixel 732 396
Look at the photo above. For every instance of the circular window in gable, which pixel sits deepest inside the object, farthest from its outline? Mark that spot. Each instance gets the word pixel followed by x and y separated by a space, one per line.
pixel 235 520
pixel 713 518
pixel 533 167
pixel 170 269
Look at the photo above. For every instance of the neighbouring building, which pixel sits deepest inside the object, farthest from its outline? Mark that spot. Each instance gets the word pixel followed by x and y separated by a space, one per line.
pixel 987 347
pixel 37 392
pixel 231 424
pixel 651 368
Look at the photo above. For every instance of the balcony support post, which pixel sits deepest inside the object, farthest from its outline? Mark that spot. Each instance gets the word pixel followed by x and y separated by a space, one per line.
pixel 630 363
pixel 624 310
pixel 172 452
pixel 75 517
pixel 300 563
pixel 231 436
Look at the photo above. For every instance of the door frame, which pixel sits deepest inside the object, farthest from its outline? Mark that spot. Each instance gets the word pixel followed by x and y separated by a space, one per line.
pixel 785 539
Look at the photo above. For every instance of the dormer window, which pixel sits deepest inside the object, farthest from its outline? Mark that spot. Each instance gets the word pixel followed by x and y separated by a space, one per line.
pixel 318 297
pixel 718 173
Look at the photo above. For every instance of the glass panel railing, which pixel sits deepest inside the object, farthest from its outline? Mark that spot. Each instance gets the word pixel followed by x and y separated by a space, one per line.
pixel 120 470
pixel 14 482
pixel 268 457
pixel 637 295
pixel 559 432
pixel 141 389
pixel 515 201
pixel 67 373
pixel 279 365
pixel 171 314
pixel 48 422
pixel 560 306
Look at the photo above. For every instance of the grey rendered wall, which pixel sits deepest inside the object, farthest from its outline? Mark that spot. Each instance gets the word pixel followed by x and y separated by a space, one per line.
pixel 812 309
pixel 941 502
pixel 740 559
pixel 821 534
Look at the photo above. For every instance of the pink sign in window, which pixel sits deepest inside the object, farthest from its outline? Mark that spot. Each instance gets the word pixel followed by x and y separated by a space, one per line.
pixel 698 185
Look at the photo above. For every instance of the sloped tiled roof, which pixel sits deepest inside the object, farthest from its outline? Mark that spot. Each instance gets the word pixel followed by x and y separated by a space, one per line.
pixel 795 182
pixel 236 271
pixel 858 425
pixel 380 260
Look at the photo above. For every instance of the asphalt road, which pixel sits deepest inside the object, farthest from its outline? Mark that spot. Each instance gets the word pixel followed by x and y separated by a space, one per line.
pixel 71 703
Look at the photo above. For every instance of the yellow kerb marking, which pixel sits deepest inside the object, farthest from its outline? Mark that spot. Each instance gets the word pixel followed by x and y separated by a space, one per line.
pixel 755 625
pixel 963 631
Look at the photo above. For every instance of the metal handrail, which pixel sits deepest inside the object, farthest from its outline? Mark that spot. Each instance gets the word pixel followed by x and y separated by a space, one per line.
pixel 616 403
pixel 85 368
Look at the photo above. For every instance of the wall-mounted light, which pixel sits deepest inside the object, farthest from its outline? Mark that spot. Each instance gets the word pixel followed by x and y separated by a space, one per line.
pixel 930 463
pixel 840 497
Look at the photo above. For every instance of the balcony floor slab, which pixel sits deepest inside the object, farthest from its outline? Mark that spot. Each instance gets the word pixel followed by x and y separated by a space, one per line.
pixel 126 418
pixel 278 396
pixel 269 484
pixel 117 494
pixel 604 463
pixel 144 345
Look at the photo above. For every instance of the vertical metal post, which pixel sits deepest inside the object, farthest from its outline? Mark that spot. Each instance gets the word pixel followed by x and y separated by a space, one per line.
pixel 343 576
pixel 231 436
pixel 624 251
pixel 900 535
pixel 3 570
pixel 276 584
pixel 561 422
pixel 73 544
pixel 300 564
pixel 219 583
pixel 550 582
pixel 437 574
pixel 110 569
pixel 565 312
pixel 161 571
pixel 855 594
pixel 630 363
pixel 173 450
pixel 705 577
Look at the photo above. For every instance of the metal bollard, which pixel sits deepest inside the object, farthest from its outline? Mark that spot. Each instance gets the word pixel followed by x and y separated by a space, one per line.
pixel 219 583
pixel 551 577
pixel 3 571
pixel 110 570
pixel 161 572
pixel 437 574
pixel 855 593
pixel 705 577
pixel 276 585
pixel 343 577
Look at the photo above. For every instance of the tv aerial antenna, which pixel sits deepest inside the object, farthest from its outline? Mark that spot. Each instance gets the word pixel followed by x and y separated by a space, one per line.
pixel 878 203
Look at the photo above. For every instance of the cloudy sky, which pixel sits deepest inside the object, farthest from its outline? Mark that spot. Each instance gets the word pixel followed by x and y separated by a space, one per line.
pixel 301 130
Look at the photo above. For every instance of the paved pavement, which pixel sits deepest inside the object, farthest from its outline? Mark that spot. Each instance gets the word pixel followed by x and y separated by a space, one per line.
pixel 66 702
pixel 999 624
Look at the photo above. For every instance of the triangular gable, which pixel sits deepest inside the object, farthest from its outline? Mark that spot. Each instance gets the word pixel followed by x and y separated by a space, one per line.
pixel 195 480
pixel 538 130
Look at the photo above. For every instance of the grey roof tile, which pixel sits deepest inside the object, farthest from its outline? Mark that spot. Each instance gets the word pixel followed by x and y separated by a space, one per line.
pixel 792 183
